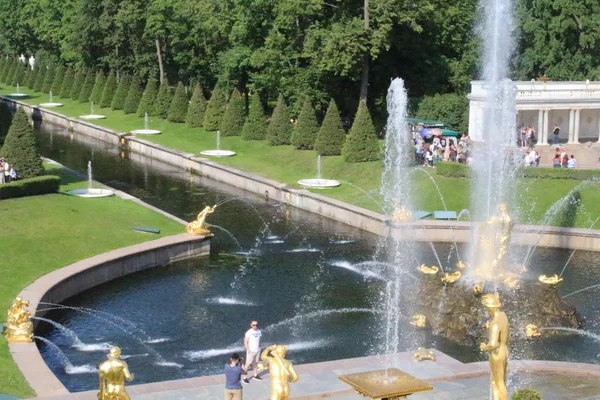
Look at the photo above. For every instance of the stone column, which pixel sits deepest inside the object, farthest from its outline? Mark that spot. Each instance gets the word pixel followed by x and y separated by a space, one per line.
pixel 540 128
pixel 576 126
pixel 598 122
pixel 571 125
pixel 545 126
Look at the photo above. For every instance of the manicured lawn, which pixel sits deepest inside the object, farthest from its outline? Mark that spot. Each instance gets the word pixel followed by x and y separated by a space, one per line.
pixel 42 233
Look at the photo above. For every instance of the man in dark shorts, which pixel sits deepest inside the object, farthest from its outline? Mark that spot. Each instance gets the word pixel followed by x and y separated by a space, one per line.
pixel 233 377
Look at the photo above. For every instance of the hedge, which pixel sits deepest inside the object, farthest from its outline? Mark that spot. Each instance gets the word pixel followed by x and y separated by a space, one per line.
pixel 234 117
pixel 178 106
pixel 458 170
pixel 279 131
pixel 331 135
pixel 526 394
pixel 120 95
pixel 30 187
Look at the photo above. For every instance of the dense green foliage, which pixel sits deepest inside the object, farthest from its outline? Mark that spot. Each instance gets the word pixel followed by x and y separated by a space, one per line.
pixel 96 95
pixel 67 84
pixel 526 394
pixel 20 147
pixel 48 78
pixel 361 143
pixel 163 101
pixel 179 105
pixel 110 87
pixel 279 131
pixel 17 77
pixel 30 80
pixel 458 170
pixel 449 108
pixel 30 187
pixel 215 108
pixel 87 86
pixel 77 84
pixel 118 100
pixel 5 120
pixel 255 126
pixel 331 135
pixel 305 131
pixel 59 76
pixel 9 70
pixel 235 115
pixel 196 109
pixel 26 77
pixel 133 96
pixel 148 98
pixel 40 77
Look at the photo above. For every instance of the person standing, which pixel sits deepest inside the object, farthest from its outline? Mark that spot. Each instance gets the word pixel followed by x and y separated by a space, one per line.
pixel 555 132
pixel 233 377
pixel 252 345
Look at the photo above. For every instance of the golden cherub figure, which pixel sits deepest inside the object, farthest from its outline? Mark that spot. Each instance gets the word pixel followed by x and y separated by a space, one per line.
pixel 532 330
pixel 18 327
pixel 451 278
pixel 281 371
pixel 199 226
pixel 419 320
pixel 550 280
pixel 497 345
pixel 428 270
pixel 112 374
pixel 424 354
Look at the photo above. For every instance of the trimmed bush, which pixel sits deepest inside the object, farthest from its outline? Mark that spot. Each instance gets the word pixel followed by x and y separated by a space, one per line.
pixel 30 187
pixel 163 101
pixel 148 98
pixel 3 61
pixel 98 88
pixel 26 77
pixel 77 84
pixel 279 131
pixel 458 170
pixel 9 71
pixel 255 127
pixel 449 108
pixel 110 87
pixel 88 86
pixel 305 131
pixel 196 109
pixel 59 77
pixel 179 105
pixel 133 96
pixel 118 100
pixel 215 108
pixel 361 143
pixel 5 121
pixel 233 119
pixel 33 77
pixel 67 84
pixel 40 77
pixel 331 136
pixel 48 78
pixel 526 394
pixel 18 75
pixel 453 170
pixel 20 147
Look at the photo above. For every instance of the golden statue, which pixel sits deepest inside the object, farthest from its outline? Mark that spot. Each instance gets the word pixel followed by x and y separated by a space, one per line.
pixel 478 288
pixel 427 270
pixel 423 354
pixel 460 265
pixel 497 345
pixel 451 278
pixel 550 280
pixel 18 327
pixel 401 214
pixel 512 282
pixel 419 320
pixel 112 374
pixel 281 371
pixel 199 227
pixel 532 330
pixel 494 239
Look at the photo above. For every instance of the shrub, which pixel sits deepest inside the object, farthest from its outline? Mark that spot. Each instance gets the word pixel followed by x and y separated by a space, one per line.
pixel 163 101
pixel 40 77
pixel 30 187
pixel 3 61
pixel 215 108
pixel 31 77
pixel 196 109
pixel 148 98
pixel 235 114
pixel 7 74
pixel 20 147
pixel 449 108
pixel 279 131
pixel 255 127
pixel 361 143
pixel 458 170
pixel 67 84
pixel 133 96
pixel 98 88
pixel 179 105
pixel 110 87
pixel 17 77
pixel 5 120
pixel 48 78
pixel 26 77
pixel 77 84
pixel 59 77
pixel 118 100
pixel 526 394
pixel 331 136
pixel 305 131
pixel 453 170
pixel 87 87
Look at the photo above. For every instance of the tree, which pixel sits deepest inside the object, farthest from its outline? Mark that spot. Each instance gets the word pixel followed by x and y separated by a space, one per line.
pixel 118 100
pixel 255 127
pixel 215 108
pixel 9 70
pixel 59 77
pixel 17 78
pixel 20 147
pixel 179 105
pixel 163 101
pixel 133 96
pixel 87 87
pixel 279 131
pixel 449 108
pixel 40 77
pixel 196 109
pixel 305 131
pixel 148 98
pixel 234 116
pixel 49 78
pixel 26 76
pixel 361 143
pixel 67 84
pixel 110 87
pixel 30 83
pixel 5 120
pixel 98 88
pixel 331 136
pixel 77 84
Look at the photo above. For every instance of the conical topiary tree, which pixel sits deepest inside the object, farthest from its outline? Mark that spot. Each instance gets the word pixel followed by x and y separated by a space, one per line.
pixel 215 108
pixel 87 87
pixel 17 77
pixel 233 119
pixel 163 101
pixel 361 143
pixel 5 121
pixel 110 87
pixel 67 84
pixel 134 95
pixel 118 101
pixel 49 78
pixel 179 105
pixel 9 71
pixel 305 131
pixel 330 137
pixel 99 84
pixel 196 109
pixel 30 80
pixel 26 76
pixel 279 131
pixel 148 98
pixel 255 126
pixel 3 61
pixel 20 147
pixel 77 84
pixel 59 77
pixel 40 77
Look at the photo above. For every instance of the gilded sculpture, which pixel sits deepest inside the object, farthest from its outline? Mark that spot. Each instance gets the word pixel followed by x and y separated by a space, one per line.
pixel 428 270
pixel 451 278
pixel 478 288
pixel 494 239
pixel 419 320
pixel 532 330
pixel 402 214
pixel 199 226
pixel 112 374
pixel 550 280
pixel 460 265
pixel 18 327
pixel 424 354
pixel 497 345
pixel 281 371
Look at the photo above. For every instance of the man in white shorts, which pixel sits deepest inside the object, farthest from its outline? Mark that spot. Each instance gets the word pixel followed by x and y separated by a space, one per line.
pixel 252 345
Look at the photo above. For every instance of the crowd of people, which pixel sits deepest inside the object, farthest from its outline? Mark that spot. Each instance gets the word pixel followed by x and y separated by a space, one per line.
pixel 431 147
pixel 7 172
